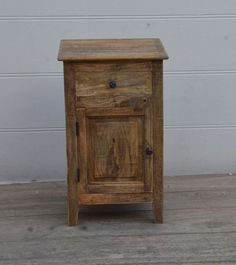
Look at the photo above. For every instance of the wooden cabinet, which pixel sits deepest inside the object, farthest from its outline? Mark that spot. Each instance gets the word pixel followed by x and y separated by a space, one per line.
pixel 114 122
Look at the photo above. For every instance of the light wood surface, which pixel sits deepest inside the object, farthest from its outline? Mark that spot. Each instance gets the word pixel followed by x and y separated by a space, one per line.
pixel 111 49
pixel 82 152
pixel 71 147
pixel 116 140
pixel 119 130
pixel 116 147
pixel 200 226
pixel 157 123
pixel 135 101
pixel 131 78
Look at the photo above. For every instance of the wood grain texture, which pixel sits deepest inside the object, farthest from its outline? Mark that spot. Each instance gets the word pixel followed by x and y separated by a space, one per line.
pixel 174 249
pixel 200 182
pixel 148 138
pixel 114 112
pixel 25 199
pixel 82 150
pixel 157 123
pixel 94 79
pixel 134 101
pixel 116 185
pixel 197 230
pixel 119 66
pixel 116 147
pixel 112 49
pixel 93 199
pixel 71 144
pixel 120 127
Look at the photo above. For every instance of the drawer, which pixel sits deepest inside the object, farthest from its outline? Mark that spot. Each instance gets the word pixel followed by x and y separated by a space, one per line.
pixel 113 79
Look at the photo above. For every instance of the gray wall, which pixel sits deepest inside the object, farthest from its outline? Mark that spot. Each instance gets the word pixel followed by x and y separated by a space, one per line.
pixel 200 79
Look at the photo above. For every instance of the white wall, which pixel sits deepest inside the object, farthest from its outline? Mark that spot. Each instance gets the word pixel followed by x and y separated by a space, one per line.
pixel 200 79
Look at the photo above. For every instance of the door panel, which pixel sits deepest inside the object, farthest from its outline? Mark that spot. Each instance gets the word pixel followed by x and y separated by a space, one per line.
pixel 115 141
pixel 116 148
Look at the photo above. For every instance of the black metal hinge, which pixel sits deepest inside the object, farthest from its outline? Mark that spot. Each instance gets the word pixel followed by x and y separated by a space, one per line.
pixel 78 175
pixel 77 128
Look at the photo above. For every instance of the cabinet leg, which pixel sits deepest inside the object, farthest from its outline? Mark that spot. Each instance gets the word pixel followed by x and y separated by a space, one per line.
pixel 73 212
pixel 157 206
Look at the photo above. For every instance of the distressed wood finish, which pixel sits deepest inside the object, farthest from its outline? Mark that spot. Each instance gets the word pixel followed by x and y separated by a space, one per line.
pixel 116 141
pixel 157 123
pixel 114 97
pixel 116 147
pixel 93 79
pixel 73 208
pixel 136 101
pixel 116 185
pixel 113 112
pixel 91 199
pixel 82 150
pixel 113 49
pixel 197 230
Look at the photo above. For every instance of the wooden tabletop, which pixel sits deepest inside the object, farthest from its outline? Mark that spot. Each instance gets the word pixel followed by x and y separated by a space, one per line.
pixel 111 49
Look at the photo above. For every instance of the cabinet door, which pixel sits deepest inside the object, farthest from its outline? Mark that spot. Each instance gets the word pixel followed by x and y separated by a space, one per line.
pixel 114 150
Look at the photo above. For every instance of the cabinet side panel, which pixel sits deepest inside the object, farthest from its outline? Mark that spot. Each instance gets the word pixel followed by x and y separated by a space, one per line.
pixel 71 143
pixel 157 108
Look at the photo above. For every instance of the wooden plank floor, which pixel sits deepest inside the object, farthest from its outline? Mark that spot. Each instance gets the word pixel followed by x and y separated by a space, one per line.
pixel 199 228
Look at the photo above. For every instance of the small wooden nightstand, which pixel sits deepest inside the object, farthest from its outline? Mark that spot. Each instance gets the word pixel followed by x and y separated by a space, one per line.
pixel 114 122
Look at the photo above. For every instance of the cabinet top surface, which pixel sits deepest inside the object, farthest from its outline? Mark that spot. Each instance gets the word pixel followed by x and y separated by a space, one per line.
pixel 111 49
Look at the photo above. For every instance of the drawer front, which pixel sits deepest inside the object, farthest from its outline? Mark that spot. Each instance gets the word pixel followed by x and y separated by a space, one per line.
pixel 113 79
